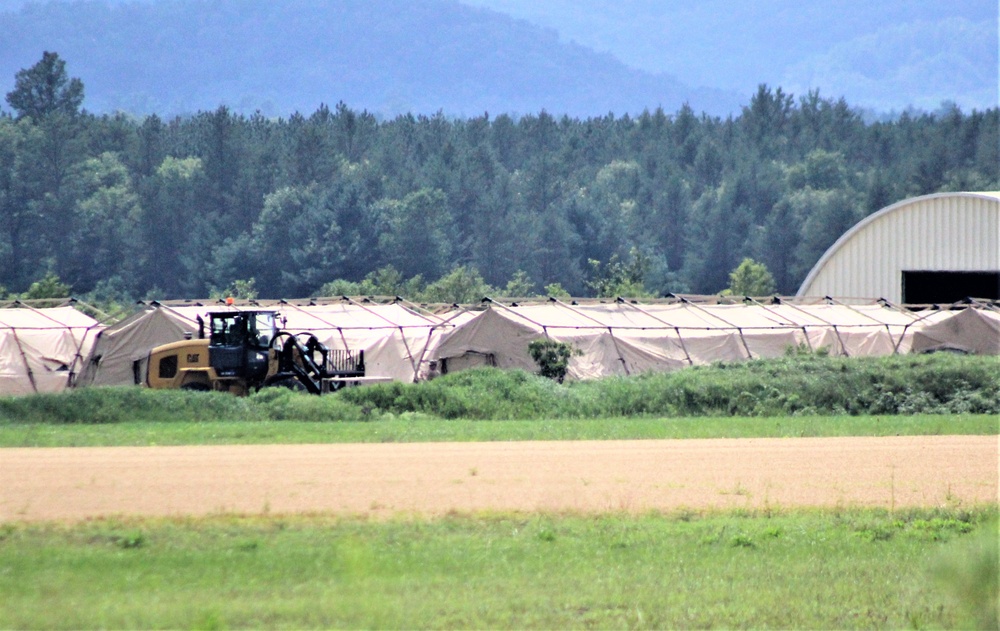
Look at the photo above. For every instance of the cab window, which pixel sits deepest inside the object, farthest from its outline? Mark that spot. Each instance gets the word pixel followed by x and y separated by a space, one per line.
pixel 168 367
pixel 261 329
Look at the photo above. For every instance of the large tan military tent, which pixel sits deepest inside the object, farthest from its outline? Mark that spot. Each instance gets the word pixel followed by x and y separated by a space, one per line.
pixel 625 338
pixel 397 341
pixel 43 350
pixel 118 356
pixel 974 331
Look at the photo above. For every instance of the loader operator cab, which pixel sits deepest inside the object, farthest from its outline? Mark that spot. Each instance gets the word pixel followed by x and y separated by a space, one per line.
pixel 254 328
pixel 239 342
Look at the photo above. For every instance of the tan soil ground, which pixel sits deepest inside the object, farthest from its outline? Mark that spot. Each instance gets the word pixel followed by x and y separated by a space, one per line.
pixel 437 478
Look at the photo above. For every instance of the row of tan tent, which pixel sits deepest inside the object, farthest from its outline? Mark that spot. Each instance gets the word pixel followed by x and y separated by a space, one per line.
pixel 626 338
pixel 47 350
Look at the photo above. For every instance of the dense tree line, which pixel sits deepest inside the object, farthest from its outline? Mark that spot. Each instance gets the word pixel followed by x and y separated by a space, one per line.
pixel 338 199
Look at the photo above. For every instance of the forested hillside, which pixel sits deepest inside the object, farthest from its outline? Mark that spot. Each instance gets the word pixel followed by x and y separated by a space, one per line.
pixel 390 57
pixel 886 55
pixel 662 201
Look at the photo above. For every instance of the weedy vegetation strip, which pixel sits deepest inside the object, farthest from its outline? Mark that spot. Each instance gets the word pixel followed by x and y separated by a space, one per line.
pixel 802 385
pixel 792 386
pixel 841 568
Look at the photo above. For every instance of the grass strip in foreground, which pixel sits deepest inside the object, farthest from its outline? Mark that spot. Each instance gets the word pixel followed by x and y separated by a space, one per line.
pixel 810 569
pixel 413 428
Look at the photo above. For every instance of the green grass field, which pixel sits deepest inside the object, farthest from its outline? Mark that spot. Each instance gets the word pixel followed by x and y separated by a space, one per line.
pixel 422 429
pixel 834 569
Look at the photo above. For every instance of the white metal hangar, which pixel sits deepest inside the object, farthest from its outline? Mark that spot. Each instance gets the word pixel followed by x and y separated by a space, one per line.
pixel 933 249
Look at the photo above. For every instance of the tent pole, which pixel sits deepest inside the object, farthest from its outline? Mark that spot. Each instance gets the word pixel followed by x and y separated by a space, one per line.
pixel 24 358
pixel 805 332
pixel 669 325
pixel 913 323
pixel 545 329
pixel 609 327
pixel 444 322
pixel 724 321
pixel 836 331
pixel 888 329
pixel 77 355
pixel 414 365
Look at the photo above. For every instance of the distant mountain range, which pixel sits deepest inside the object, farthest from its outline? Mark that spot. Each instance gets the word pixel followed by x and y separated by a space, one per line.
pixel 575 57
pixel 885 55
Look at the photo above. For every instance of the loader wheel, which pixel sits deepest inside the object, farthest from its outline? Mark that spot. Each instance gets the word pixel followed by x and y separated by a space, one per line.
pixel 196 386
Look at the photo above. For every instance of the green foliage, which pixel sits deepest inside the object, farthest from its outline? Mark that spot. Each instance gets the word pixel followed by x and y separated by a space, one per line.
pixel 463 285
pixel 519 286
pixel 416 235
pixel 49 286
pixel 125 404
pixel 796 385
pixel 238 289
pixel 367 425
pixel 751 279
pixel 385 281
pixel 46 90
pixel 619 278
pixel 341 287
pixel 480 393
pixel 821 170
pixel 341 202
pixel 118 405
pixel 804 350
pixel 555 290
pixel 552 357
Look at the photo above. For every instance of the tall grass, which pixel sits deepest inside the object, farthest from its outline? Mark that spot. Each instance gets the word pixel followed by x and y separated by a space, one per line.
pixel 793 386
pixel 809 385
pixel 132 404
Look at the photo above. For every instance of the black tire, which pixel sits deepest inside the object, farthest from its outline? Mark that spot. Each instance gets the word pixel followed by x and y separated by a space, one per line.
pixel 196 386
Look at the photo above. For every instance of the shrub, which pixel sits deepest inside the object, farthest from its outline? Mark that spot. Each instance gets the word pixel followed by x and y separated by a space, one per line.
pixel 552 357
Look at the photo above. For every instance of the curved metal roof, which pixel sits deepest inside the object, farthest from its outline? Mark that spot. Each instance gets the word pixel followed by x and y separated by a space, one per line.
pixel 990 246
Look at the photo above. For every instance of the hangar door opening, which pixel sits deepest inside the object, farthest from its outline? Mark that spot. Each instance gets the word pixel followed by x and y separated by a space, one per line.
pixel 947 287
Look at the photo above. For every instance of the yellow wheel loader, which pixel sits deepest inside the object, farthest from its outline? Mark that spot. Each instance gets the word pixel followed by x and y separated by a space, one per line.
pixel 246 351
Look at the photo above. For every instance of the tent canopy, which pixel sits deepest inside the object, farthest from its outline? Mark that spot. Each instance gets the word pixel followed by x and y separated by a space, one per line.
pixel 975 331
pixel 43 350
pixel 624 338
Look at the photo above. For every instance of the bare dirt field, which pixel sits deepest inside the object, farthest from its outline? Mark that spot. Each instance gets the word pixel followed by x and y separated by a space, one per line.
pixel 437 478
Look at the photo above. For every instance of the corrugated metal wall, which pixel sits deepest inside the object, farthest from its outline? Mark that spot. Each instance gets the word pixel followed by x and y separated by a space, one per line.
pixel 941 232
